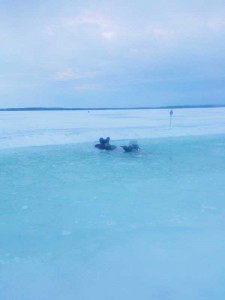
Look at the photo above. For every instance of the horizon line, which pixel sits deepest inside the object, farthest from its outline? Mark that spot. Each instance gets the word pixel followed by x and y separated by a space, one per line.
pixel 110 108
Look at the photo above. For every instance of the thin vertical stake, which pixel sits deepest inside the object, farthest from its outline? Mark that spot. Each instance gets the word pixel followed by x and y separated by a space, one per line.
pixel 171 116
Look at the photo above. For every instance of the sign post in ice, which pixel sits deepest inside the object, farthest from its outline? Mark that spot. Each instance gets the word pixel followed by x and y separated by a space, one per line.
pixel 171 116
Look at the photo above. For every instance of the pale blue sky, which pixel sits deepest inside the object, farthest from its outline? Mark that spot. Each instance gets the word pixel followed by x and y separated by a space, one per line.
pixel 111 53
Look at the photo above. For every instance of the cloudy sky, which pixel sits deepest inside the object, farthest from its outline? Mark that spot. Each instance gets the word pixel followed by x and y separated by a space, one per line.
pixel 87 53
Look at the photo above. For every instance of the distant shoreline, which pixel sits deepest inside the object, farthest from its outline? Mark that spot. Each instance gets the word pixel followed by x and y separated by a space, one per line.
pixel 104 108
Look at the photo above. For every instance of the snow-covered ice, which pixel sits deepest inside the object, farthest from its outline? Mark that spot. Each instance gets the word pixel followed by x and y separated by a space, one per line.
pixel 32 128
pixel 77 223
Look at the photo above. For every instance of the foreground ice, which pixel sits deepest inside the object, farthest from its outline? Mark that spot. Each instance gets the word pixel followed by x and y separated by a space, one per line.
pixel 81 224
pixel 18 129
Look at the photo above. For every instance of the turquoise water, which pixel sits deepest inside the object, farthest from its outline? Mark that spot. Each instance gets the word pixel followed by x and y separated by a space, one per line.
pixel 78 223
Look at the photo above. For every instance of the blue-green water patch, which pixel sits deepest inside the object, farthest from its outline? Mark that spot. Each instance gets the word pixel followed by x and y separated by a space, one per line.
pixel 67 206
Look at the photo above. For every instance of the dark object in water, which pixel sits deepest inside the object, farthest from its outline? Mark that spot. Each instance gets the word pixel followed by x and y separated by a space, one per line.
pixel 127 148
pixel 133 147
pixel 104 144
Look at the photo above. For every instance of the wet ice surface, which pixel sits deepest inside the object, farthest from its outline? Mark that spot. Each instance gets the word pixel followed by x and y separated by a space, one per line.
pixel 78 223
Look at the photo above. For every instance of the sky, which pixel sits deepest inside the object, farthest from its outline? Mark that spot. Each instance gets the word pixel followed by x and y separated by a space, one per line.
pixel 118 53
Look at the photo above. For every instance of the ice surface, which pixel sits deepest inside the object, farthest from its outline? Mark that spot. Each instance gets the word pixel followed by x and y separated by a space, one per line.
pixel 81 224
pixel 18 129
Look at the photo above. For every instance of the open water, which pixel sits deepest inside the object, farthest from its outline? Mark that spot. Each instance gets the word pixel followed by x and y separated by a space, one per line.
pixel 78 223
